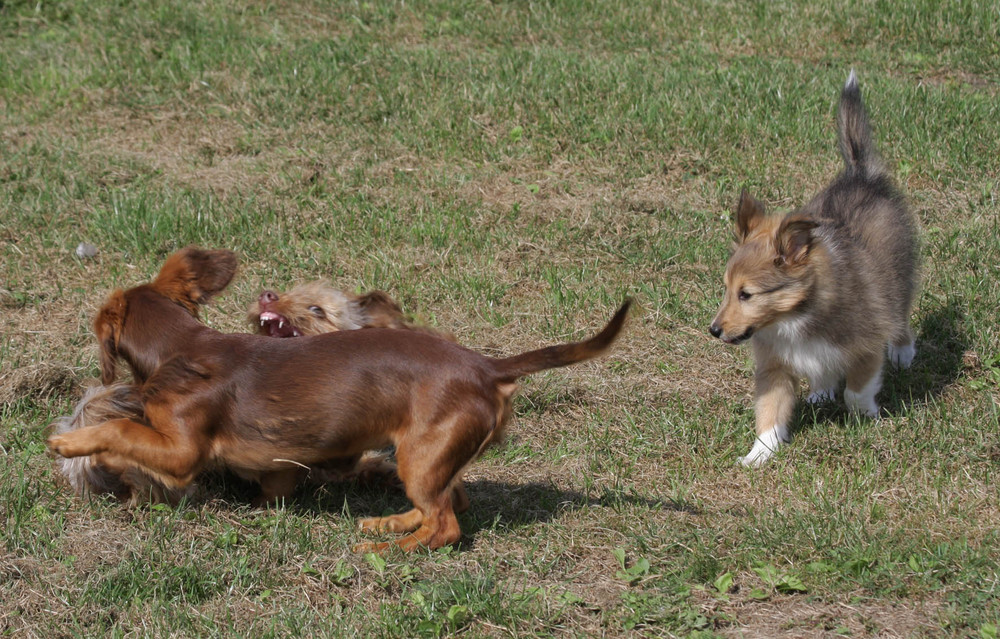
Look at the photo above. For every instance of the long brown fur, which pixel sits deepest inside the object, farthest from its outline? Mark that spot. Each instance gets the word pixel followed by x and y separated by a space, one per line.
pixel 313 308
pixel 129 484
pixel 824 290
pixel 268 407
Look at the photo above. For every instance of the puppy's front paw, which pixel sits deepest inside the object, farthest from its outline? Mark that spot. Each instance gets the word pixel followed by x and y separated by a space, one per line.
pixel 756 458
pixel 765 446
pixel 902 356
pixel 862 402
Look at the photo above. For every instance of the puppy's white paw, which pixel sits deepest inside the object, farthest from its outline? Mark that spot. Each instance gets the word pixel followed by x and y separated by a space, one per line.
pixel 765 446
pixel 902 356
pixel 861 402
pixel 822 395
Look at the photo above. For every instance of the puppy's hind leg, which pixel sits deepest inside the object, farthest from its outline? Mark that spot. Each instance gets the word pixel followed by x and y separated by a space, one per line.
pixel 277 486
pixel 823 389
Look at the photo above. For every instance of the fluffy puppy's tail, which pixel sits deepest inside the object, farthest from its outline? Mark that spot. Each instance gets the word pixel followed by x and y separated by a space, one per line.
pixel 511 368
pixel 857 146
pixel 100 404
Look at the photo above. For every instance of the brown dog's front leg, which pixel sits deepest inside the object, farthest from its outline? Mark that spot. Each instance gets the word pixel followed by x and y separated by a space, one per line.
pixel 459 498
pixel 172 459
pixel 276 487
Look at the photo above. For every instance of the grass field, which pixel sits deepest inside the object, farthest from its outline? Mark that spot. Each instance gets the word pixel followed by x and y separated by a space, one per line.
pixel 509 171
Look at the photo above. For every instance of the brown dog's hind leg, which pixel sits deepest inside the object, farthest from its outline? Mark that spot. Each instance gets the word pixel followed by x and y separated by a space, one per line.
pixel 438 527
pixel 406 522
pixel 412 519
pixel 433 484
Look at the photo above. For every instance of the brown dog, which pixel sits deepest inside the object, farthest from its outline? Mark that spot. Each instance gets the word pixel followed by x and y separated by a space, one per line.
pixel 313 308
pixel 272 406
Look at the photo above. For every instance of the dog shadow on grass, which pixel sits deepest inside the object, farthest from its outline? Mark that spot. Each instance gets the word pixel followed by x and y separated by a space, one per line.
pixel 517 505
pixel 493 504
pixel 941 345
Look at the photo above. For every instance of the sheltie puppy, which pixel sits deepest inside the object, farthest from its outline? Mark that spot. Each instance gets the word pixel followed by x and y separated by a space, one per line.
pixel 823 291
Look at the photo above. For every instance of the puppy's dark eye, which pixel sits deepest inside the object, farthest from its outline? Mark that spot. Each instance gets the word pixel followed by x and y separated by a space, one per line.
pixel 744 296
pixel 317 311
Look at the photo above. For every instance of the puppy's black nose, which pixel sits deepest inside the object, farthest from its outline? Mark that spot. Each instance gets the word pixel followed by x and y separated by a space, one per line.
pixel 715 330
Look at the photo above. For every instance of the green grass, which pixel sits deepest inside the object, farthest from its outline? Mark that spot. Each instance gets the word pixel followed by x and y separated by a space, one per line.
pixel 509 172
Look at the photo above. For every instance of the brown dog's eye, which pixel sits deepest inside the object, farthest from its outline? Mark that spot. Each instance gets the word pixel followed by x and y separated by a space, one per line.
pixel 744 296
pixel 317 311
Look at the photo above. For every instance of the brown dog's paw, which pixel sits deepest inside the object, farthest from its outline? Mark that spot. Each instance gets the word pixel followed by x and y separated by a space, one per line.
pixel 408 543
pixel 405 522
pixel 371 525
pixel 370 546
pixel 55 444
pixel 70 445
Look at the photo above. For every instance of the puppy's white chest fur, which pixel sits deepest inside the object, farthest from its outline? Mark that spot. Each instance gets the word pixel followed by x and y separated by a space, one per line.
pixel 811 357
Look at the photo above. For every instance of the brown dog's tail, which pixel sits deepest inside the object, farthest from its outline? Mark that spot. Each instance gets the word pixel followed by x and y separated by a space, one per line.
pixel 517 366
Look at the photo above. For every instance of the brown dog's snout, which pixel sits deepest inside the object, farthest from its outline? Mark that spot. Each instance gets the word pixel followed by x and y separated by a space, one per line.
pixel 715 330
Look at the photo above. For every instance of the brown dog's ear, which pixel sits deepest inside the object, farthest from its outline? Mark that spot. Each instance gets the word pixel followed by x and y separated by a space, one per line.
pixel 108 328
pixel 794 239
pixel 382 310
pixel 749 213
pixel 193 276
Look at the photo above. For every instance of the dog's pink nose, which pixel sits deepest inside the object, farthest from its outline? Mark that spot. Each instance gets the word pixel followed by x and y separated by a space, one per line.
pixel 268 297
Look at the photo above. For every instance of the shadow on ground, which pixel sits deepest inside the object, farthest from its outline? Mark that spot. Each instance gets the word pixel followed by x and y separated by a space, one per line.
pixel 492 503
pixel 941 344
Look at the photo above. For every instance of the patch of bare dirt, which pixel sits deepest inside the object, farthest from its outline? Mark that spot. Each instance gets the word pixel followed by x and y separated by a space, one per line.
pixel 960 77
pixel 199 151
pixel 799 616
pixel 38 381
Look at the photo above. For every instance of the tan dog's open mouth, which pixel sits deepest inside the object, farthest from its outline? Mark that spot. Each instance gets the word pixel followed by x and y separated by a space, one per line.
pixel 277 325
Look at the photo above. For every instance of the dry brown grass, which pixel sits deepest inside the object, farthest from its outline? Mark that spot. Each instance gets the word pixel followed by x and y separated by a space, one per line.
pixel 635 451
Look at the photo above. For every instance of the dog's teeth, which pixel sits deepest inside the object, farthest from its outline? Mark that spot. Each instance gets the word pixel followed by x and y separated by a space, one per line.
pixel 262 322
pixel 281 324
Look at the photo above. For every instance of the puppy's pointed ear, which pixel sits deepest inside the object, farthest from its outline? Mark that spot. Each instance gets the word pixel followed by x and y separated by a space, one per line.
pixel 381 310
pixel 794 239
pixel 108 328
pixel 193 276
pixel 749 213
